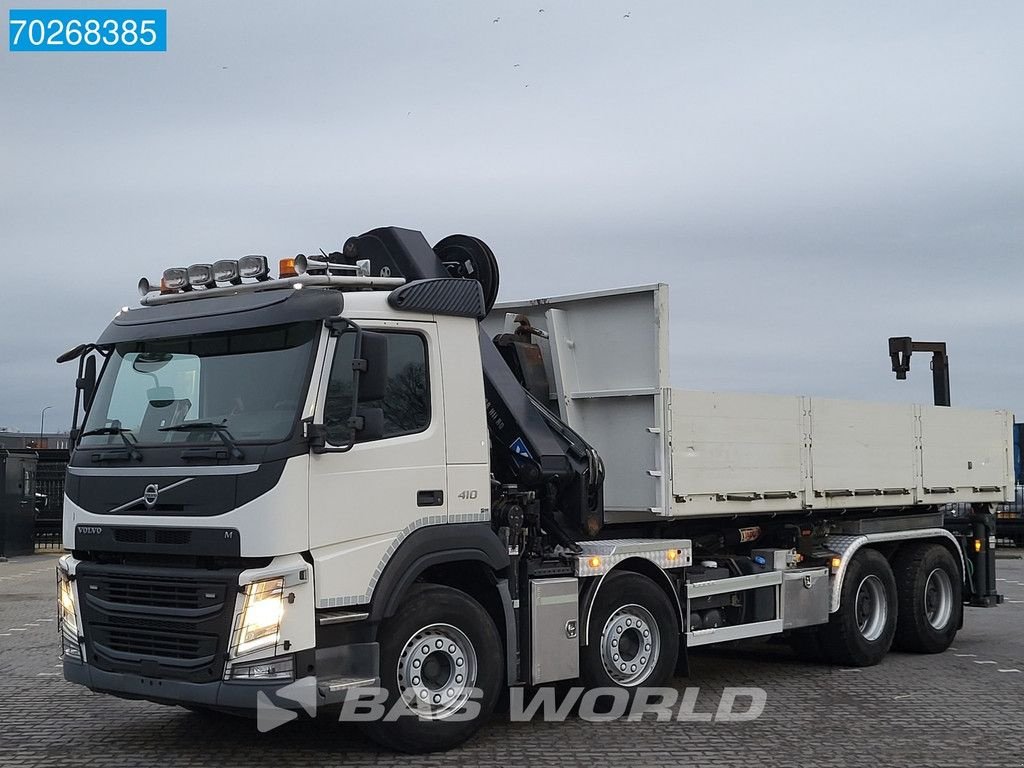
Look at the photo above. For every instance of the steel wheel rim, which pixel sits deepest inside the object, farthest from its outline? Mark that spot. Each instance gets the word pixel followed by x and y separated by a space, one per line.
pixel 938 598
pixel 872 608
pixel 630 645
pixel 437 671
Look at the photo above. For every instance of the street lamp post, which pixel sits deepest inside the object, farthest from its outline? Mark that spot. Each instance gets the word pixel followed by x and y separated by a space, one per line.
pixel 42 418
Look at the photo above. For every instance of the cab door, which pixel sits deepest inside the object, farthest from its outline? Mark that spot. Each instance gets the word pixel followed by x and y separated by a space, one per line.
pixel 363 501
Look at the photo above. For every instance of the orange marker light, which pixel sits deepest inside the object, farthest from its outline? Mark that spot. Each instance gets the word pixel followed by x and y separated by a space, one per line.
pixel 977 545
pixel 286 268
pixel 672 554
pixel 594 562
pixel 836 562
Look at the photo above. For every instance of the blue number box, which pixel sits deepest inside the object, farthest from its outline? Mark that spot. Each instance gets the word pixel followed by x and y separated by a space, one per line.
pixel 86 29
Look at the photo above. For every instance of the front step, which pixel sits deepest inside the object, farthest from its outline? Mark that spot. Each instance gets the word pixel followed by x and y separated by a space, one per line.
pixel 334 689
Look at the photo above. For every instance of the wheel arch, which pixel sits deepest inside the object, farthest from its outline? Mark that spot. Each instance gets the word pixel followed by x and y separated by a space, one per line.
pixel 465 556
pixel 638 565
pixel 848 546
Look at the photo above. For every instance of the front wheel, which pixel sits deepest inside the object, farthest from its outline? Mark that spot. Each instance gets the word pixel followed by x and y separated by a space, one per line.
pixel 442 665
pixel 633 634
pixel 930 587
pixel 860 633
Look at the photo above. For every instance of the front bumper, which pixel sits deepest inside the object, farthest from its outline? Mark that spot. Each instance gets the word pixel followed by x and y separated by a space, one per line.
pixel 340 671
pixel 165 635
pixel 215 695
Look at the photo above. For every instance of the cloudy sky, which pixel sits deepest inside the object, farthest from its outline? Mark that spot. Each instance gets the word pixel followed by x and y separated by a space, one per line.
pixel 809 177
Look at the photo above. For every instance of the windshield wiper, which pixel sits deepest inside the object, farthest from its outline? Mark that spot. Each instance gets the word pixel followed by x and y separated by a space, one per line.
pixel 209 426
pixel 133 451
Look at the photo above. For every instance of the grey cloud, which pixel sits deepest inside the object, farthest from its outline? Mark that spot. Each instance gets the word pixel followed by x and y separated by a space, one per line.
pixel 810 178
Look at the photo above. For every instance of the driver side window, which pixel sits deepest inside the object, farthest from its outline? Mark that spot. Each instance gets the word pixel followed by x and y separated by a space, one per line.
pixel 406 402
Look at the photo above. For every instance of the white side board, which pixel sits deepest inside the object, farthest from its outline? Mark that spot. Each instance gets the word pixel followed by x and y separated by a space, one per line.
pixel 736 453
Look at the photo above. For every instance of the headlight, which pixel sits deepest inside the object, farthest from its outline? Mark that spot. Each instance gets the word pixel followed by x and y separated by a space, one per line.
pixel 67 621
pixel 259 626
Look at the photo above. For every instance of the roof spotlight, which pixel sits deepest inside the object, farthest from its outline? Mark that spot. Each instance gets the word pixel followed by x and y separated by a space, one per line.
pixel 226 271
pixel 176 279
pixel 254 266
pixel 201 276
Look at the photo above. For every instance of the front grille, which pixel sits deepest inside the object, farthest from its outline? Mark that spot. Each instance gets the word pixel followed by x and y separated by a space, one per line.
pixel 172 536
pixel 157 622
pixel 175 536
pixel 160 595
pixel 130 535
pixel 170 645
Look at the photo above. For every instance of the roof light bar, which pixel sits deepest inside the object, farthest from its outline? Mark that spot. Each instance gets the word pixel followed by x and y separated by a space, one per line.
pixel 226 275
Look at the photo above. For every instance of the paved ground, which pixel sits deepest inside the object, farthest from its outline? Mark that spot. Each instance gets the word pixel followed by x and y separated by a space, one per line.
pixel 964 708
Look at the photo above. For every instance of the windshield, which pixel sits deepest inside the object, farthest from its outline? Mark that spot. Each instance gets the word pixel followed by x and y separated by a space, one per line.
pixel 247 382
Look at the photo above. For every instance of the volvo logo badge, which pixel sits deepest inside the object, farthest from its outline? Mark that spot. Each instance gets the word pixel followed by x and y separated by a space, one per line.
pixel 149 496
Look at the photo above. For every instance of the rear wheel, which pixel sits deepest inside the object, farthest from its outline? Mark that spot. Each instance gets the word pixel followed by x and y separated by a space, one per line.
pixel 633 634
pixel 442 665
pixel 860 633
pixel 930 590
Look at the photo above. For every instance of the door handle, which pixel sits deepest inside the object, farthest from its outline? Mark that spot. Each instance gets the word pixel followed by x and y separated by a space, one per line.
pixel 429 498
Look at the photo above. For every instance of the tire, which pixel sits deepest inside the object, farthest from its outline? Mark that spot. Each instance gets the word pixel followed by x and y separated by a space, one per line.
pixel 930 589
pixel 861 632
pixel 457 634
pixel 633 635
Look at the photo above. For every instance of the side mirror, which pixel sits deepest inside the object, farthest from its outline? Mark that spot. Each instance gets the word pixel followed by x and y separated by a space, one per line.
pixel 368 424
pixel 88 382
pixel 373 366
pixel 316 436
pixel 371 424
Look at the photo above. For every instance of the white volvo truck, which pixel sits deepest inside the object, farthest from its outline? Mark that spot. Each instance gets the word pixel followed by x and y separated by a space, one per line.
pixel 366 473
